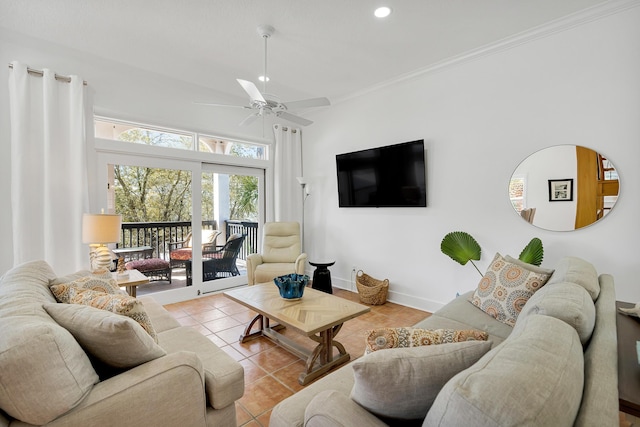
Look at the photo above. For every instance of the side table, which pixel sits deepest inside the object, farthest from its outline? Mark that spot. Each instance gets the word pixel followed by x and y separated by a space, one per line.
pixel 137 252
pixel 628 366
pixel 322 276
pixel 135 278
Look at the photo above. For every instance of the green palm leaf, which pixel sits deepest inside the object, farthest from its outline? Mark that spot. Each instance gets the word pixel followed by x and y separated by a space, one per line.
pixel 533 253
pixel 461 247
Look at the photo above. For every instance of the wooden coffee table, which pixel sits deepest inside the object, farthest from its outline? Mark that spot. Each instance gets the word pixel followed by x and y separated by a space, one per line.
pixel 318 315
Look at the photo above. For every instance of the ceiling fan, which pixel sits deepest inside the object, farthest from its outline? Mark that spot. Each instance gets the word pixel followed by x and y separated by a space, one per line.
pixel 263 103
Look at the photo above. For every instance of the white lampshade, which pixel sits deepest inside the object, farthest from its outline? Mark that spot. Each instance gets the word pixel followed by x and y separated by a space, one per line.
pixel 101 228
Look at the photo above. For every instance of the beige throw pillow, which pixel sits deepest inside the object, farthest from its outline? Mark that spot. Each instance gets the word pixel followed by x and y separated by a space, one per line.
pixel 386 338
pixel 507 286
pixel 116 340
pixel 402 383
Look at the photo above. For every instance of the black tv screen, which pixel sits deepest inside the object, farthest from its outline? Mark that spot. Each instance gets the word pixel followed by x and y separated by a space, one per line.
pixel 390 176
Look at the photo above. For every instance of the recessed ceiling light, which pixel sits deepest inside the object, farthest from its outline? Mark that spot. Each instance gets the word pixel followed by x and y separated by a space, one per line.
pixel 261 78
pixel 382 12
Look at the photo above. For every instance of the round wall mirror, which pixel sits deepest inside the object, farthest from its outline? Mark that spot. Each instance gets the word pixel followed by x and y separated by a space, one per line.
pixel 564 188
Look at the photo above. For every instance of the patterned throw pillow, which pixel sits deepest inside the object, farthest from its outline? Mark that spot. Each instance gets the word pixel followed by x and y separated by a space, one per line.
pixel 383 338
pixel 96 282
pixel 507 286
pixel 115 303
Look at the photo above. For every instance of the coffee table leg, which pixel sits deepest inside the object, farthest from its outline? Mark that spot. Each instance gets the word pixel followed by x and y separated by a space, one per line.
pixel 247 335
pixel 323 352
pixel 264 325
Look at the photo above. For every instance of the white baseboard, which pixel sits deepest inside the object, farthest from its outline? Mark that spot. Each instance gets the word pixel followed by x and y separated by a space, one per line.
pixel 396 297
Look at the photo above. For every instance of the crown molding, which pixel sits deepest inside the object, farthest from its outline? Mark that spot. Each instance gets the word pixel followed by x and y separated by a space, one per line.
pixel 559 25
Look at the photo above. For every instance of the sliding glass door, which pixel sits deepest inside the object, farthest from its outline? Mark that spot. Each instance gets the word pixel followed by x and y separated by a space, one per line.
pixel 203 228
pixel 232 197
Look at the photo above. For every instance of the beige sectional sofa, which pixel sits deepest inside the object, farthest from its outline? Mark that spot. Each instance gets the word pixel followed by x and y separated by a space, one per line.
pixel 556 367
pixel 47 378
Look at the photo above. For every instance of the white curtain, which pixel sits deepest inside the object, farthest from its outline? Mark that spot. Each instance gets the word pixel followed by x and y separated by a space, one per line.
pixel 49 191
pixel 287 168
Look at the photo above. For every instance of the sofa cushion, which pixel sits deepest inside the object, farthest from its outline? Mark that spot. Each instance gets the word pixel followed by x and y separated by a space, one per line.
pixel 388 338
pixel 403 382
pixel 266 272
pixel 115 303
pixel 116 340
pixel 459 314
pixel 578 271
pixel 44 371
pixel 543 354
pixel 223 376
pixel 568 302
pixel 161 319
pixel 330 408
pixel 291 411
pixel 506 287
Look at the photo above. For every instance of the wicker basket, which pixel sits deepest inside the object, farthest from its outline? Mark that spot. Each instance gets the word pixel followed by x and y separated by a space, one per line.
pixel 372 291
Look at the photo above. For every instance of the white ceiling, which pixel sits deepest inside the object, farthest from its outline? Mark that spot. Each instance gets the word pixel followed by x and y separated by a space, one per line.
pixel 332 48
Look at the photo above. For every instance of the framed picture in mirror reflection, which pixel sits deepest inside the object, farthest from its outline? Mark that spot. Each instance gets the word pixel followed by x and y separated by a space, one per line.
pixel 561 190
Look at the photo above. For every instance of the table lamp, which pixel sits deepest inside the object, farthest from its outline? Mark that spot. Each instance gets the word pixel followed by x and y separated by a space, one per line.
pixel 97 231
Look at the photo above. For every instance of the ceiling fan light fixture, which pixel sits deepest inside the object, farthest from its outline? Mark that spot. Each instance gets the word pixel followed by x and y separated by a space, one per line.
pixel 262 106
pixel 382 12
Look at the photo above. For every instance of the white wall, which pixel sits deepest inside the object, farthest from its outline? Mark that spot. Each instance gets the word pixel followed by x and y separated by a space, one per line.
pixel 117 91
pixel 480 119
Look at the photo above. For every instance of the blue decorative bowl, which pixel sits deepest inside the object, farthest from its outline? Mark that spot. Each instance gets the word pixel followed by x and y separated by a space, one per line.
pixel 291 286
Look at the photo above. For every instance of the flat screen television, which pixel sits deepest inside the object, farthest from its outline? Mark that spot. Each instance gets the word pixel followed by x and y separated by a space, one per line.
pixel 390 176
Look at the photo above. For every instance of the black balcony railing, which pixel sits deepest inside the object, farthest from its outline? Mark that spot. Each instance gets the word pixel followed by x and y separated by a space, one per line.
pixel 158 235
pixel 249 229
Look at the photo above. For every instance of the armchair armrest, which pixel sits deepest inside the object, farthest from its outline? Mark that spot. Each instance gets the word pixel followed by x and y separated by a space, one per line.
pixel 301 263
pixel 332 408
pixel 209 248
pixel 176 245
pixel 168 391
pixel 253 260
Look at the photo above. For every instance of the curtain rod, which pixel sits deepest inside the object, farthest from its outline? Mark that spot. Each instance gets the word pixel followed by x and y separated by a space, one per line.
pixel 40 73
pixel 284 128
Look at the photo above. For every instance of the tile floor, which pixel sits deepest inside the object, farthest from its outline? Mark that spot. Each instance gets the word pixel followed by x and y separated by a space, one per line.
pixel 271 373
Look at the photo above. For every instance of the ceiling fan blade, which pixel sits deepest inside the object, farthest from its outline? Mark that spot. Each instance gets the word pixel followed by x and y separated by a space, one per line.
pixel 307 103
pixel 293 118
pixel 252 90
pixel 249 119
pixel 212 104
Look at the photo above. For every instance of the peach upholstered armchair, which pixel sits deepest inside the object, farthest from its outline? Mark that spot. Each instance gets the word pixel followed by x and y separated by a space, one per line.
pixel 281 253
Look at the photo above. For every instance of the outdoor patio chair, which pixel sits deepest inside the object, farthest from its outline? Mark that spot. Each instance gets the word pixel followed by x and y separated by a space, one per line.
pixel 220 262
pixel 180 252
